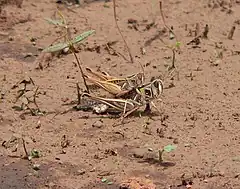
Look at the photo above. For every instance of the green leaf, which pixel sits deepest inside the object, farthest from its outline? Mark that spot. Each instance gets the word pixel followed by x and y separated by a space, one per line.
pixel 104 180
pixel 55 48
pixel 110 183
pixel 35 154
pixel 169 148
pixel 61 46
pixel 54 22
pixel 82 36
pixel 178 44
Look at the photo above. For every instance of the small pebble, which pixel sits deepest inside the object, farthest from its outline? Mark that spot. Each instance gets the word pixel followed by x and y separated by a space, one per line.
pixel 98 124
pixel 81 172
pixel 36 167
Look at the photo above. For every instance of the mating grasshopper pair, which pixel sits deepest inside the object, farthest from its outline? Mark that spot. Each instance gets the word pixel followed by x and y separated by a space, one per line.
pixel 130 93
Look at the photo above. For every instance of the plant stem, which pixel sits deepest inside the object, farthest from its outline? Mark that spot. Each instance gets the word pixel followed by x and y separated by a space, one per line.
pixel 115 18
pixel 80 68
pixel 160 154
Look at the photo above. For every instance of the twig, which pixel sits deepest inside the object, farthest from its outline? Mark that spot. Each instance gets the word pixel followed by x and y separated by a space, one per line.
pixel 230 35
pixel 32 112
pixel 24 147
pixel 163 19
pixel 118 53
pixel 142 70
pixel 205 32
pixel 173 59
pixel 197 28
pixel 34 98
pixel 115 18
pixel 78 94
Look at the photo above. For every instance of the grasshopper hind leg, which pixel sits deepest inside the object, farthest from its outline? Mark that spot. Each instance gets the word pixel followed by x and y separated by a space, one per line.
pixel 147 109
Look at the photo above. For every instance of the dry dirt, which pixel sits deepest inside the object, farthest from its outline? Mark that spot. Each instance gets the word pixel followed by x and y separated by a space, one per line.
pixel 200 109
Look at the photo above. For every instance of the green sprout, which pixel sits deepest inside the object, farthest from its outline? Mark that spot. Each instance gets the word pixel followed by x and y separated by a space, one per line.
pixel 167 148
pixel 178 43
pixel 63 45
pixel 34 154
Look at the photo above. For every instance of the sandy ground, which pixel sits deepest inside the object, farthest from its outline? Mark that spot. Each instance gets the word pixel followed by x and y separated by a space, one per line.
pixel 200 108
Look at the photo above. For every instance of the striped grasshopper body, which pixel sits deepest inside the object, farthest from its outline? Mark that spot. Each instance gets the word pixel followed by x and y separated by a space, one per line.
pixel 138 97
pixel 130 93
pixel 113 85
pixel 119 105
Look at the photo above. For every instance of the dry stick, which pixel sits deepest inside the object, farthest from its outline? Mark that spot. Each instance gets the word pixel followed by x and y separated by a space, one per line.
pixel 32 112
pixel 24 147
pixel 173 59
pixel 115 18
pixel 197 28
pixel 34 98
pixel 205 32
pixel 163 19
pixel 230 35
pixel 118 53
pixel 173 49
pixel 78 93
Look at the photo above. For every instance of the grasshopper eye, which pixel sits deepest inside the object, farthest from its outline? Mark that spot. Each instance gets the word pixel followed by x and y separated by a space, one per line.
pixel 148 92
pixel 156 84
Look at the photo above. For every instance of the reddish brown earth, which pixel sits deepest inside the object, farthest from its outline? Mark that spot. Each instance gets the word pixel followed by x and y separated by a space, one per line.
pixel 201 109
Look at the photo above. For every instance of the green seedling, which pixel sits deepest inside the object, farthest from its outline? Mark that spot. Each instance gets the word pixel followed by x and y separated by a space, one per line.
pixel 63 45
pixel 68 43
pixel 104 180
pixel 34 154
pixel 178 43
pixel 167 148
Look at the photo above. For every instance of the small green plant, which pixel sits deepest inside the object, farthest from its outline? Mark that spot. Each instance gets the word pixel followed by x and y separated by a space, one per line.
pixel 68 43
pixel 167 148
pixel 34 154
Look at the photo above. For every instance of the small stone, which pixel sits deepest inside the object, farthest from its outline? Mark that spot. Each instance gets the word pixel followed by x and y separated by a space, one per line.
pixel 206 181
pixel 36 167
pixel 175 141
pixel 98 124
pixel 139 153
pixel 10 38
pixel 137 183
pixel 237 175
pixel 63 151
pixel 187 145
pixel 50 185
pixel 150 149
pixel 81 172
pixel 221 173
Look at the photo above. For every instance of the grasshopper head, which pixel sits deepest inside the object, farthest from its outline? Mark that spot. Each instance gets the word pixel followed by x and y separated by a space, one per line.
pixel 153 89
pixel 157 88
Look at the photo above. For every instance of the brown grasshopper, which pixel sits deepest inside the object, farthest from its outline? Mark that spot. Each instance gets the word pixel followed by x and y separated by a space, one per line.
pixel 141 96
pixel 114 85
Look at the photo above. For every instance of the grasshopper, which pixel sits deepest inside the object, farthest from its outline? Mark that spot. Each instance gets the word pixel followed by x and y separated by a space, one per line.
pixel 141 96
pixel 114 85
